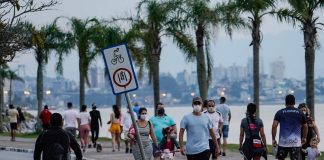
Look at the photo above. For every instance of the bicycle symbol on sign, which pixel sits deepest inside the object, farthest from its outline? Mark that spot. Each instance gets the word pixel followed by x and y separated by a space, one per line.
pixel 117 57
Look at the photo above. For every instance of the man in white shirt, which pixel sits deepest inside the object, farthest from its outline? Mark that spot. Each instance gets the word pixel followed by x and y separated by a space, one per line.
pixel 13 116
pixel 217 120
pixel 70 119
pixel 126 123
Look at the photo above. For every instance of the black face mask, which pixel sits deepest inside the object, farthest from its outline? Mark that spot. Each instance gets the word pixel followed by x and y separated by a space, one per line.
pixel 161 111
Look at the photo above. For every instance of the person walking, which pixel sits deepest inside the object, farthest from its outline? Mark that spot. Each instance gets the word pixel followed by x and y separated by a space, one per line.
pixel 226 113
pixel 21 121
pixel 127 123
pixel 95 119
pixel 198 127
pixel 136 108
pixel 252 131
pixel 84 120
pixel 291 121
pixel 311 128
pixel 45 116
pixel 217 120
pixel 115 129
pixel 145 130
pixel 13 117
pixel 70 117
pixel 55 143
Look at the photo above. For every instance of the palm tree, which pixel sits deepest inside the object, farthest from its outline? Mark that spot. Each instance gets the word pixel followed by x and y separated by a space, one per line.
pixel 12 76
pixel 43 41
pixel 255 10
pixel 154 21
pixel 304 13
pixel 3 74
pixel 199 16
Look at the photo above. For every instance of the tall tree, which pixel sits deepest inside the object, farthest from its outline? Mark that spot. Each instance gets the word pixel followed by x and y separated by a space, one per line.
pixel 154 21
pixel 254 11
pixel 198 15
pixel 48 38
pixel 12 76
pixel 304 13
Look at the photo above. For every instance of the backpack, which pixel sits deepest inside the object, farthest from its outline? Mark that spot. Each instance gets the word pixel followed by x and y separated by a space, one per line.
pixel 55 151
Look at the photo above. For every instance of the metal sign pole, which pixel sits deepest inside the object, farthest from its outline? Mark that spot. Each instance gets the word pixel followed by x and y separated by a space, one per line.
pixel 138 137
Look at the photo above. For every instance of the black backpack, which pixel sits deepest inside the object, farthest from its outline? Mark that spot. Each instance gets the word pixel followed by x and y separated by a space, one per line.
pixel 55 150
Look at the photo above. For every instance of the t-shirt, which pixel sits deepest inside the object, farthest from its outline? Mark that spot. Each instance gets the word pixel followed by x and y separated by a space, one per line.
pixel 136 110
pixel 197 128
pixel 95 117
pixel 126 121
pixel 159 123
pixel 84 118
pixel 254 126
pixel 225 111
pixel 45 116
pixel 312 153
pixel 70 116
pixel 291 120
pixel 13 115
pixel 215 117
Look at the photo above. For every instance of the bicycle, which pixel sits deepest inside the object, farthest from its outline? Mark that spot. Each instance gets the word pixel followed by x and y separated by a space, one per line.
pixel 117 57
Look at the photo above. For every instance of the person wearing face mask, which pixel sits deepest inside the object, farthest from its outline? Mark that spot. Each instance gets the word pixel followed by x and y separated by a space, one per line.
pixel 160 121
pixel 312 131
pixel 145 130
pixel 198 127
pixel 217 120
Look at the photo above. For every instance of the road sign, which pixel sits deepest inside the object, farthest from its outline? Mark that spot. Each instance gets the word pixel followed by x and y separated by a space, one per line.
pixel 120 69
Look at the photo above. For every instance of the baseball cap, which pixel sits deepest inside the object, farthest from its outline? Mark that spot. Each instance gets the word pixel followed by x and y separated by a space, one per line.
pixel 197 99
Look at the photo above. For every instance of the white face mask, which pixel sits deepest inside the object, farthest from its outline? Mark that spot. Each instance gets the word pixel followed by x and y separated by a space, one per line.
pixel 173 135
pixel 197 108
pixel 304 112
pixel 211 109
pixel 143 117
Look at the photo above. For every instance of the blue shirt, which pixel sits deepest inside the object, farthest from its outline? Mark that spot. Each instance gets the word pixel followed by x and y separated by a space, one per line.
pixel 136 110
pixel 197 128
pixel 159 123
pixel 291 120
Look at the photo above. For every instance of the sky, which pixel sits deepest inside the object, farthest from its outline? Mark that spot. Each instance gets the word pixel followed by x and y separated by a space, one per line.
pixel 280 40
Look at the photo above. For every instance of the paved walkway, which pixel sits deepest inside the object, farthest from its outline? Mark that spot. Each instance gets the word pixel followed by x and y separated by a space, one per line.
pixel 28 144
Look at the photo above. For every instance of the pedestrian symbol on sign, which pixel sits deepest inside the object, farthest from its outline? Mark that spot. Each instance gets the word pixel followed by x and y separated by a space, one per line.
pixel 122 77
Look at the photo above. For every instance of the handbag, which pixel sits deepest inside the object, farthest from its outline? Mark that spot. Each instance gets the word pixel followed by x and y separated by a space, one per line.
pixel 257 146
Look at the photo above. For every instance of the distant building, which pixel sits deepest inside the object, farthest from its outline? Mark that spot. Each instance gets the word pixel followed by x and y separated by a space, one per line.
pixel 219 73
pixel 183 78
pixel 277 69
pixel 236 73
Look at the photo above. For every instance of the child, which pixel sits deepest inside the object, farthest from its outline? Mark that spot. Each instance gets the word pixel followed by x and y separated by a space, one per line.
pixel 312 151
pixel 169 140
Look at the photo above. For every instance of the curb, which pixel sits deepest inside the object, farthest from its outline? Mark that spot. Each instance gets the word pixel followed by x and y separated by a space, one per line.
pixel 22 150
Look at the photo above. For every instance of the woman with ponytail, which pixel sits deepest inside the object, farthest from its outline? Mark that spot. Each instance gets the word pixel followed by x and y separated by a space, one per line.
pixel 252 131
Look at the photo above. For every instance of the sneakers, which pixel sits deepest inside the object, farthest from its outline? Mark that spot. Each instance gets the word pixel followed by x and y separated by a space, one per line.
pixel 94 145
pixel 130 151
pixel 126 150
pixel 223 154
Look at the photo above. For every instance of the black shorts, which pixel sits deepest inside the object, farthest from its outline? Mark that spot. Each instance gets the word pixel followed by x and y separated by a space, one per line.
pixel 199 156
pixel 212 147
pixel 13 126
pixel 294 152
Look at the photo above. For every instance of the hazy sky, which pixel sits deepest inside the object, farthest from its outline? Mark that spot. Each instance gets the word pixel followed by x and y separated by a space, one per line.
pixel 279 40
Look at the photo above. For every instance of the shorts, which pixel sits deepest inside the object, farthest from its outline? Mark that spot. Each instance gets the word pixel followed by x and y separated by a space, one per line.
pixel 115 128
pixel 294 152
pixel 201 156
pixel 72 130
pixel 126 138
pixel 225 130
pixel 13 126
pixel 212 148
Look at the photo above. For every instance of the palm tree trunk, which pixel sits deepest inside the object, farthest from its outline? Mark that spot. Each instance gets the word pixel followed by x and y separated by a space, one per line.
pixel 39 90
pixel 256 73
pixel 156 79
pixel 10 90
pixel 201 63
pixel 118 100
pixel 82 82
pixel 309 40
pixel 1 102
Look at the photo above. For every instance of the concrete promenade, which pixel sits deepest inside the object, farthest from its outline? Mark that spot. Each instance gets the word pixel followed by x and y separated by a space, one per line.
pixel 28 144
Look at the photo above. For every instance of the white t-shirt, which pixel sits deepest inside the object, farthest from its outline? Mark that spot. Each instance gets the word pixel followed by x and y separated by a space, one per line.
pixel 216 118
pixel 84 118
pixel 70 118
pixel 126 121
pixel 13 115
